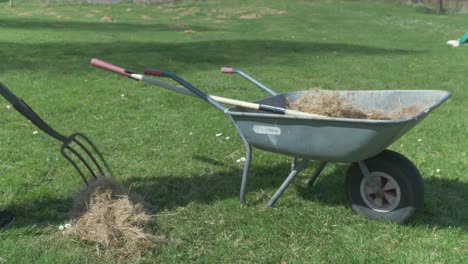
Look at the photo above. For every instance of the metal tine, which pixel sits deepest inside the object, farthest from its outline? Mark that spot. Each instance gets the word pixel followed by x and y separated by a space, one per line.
pixel 95 166
pixel 95 150
pixel 72 162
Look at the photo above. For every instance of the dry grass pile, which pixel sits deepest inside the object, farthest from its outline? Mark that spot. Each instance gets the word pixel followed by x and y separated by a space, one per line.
pixel 106 213
pixel 332 104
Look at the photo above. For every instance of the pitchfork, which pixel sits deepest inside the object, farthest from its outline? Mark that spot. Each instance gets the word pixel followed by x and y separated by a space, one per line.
pixel 74 147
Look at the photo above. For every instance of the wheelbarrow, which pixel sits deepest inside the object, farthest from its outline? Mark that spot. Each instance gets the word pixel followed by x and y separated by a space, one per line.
pixel 380 183
pixel 77 148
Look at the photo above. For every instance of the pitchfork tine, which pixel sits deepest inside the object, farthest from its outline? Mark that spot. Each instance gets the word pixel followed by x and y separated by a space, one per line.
pixel 74 139
pixel 77 168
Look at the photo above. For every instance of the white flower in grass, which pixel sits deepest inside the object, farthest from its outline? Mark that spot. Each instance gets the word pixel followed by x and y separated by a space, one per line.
pixel 67 225
pixel 242 159
pixel 219 134
pixel 61 227
pixel 35 132
pixel 227 138
pixel 419 140
pixel 8 106
pixel 438 170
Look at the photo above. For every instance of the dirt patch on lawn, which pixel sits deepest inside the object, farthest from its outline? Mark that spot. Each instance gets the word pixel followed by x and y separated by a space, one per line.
pixel 106 19
pixel 62 17
pixel 251 16
pixel 242 12
pixel 271 11
pixel 332 104
pixel 262 11
pixel 182 12
pixel 24 14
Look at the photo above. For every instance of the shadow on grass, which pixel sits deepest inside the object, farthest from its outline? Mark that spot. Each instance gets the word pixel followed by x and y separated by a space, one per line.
pixel 107 27
pixel 198 54
pixel 66 57
pixel 164 192
pixel 442 209
pixel 171 191
pixel 444 201
pixel 42 213
pixel 69 57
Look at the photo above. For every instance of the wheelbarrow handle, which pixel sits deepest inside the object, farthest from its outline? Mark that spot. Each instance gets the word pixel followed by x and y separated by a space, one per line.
pixel 229 70
pixel 138 77
pixel 217 99
pixel 193 91
pixel 154 72
pixel 22 107
pixel 110 67
pixel 187 85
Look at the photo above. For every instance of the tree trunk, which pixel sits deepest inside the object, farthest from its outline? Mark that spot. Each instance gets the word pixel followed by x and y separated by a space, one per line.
pixel 440 6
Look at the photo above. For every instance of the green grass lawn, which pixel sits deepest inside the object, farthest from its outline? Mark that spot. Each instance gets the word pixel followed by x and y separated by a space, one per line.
pixel 163 144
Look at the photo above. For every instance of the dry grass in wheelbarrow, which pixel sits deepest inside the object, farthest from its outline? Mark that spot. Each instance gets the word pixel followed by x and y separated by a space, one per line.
pixel 106 213
pixel 332 104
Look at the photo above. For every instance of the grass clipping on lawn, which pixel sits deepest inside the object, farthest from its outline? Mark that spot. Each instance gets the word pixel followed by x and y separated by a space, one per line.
pixel 332 104
pixel 105 212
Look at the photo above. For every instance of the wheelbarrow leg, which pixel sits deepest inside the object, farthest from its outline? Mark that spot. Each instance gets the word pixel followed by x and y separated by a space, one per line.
pixel 293 162
pixel 248 158
pixel 286 183
pixel 316 173
pixel 245 173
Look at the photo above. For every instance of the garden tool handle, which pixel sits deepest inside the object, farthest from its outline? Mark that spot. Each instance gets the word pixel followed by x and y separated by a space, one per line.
pixel 227 70
pixel 110 67
pixel 22 107
pixel 27 112
pixel 262 107
pixel 5 92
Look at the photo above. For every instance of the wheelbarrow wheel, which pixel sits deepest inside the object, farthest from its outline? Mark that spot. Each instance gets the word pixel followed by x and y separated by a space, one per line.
pixel 401 188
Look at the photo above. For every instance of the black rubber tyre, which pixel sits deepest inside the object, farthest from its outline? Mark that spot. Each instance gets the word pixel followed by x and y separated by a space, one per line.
pixel 400 182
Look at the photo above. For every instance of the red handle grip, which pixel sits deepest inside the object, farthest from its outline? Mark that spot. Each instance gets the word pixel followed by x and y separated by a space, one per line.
pixel 154 72
pixel 227 70
pixel 110 67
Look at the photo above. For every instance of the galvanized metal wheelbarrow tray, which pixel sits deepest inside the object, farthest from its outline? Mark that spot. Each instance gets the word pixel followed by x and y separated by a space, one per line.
pixel 378 191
